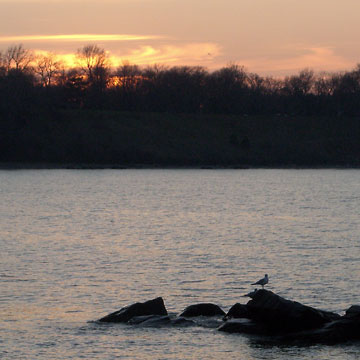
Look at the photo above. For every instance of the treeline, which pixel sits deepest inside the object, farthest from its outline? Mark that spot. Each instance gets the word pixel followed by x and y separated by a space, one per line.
pixel 28 83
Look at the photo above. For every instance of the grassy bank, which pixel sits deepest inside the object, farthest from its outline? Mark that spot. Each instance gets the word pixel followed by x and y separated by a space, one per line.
pixel 79 138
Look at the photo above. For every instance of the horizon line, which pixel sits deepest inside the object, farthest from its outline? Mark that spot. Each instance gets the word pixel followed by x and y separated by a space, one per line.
pixel 80 37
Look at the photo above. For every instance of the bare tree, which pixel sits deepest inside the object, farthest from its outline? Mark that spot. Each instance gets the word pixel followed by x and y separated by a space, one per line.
pixel 272 85
pixel 324 84
pixel 2 64
pixel 232 74
pixel 47 67
pixel 18 58
pixel 301 84
pixel 94 62
pixel 128 75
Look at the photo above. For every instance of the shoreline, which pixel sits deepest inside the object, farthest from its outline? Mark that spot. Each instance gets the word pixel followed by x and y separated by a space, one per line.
pixel 122 140
pixel 87 166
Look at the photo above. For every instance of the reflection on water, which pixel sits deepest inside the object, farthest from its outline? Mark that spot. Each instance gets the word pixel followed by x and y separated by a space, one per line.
pixel 76 245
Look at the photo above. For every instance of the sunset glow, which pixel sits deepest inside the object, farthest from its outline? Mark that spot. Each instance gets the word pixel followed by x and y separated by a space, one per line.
pixel 190 54
pixel 269 37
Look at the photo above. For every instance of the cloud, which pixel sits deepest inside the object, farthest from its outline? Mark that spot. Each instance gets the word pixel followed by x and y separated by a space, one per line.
pixel 182 54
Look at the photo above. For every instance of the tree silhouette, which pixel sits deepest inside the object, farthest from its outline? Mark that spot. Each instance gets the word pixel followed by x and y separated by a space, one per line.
pixel 300 85
pixel 94 62
pixel 47 67
pixel 18 58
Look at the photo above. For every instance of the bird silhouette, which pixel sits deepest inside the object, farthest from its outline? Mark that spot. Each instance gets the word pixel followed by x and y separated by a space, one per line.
pixel 251 293
pixel 262 281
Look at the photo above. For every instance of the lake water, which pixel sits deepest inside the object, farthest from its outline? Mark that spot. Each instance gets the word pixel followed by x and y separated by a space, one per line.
pixel 78 244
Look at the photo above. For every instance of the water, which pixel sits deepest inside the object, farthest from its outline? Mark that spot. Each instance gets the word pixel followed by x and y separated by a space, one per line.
pixel 78 244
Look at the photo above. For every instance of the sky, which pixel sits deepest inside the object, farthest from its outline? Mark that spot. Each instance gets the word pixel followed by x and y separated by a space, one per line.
pixel 268 37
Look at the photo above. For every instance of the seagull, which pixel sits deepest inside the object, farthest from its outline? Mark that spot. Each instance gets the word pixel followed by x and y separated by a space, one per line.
pixel 262 281
pixel 251 293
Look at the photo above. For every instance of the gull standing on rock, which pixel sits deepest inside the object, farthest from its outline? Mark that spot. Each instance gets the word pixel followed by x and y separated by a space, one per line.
pixel 262 281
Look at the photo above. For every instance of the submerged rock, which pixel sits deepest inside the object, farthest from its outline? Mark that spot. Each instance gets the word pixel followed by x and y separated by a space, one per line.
pixel 181 321
pixel 159 321
pixel 203 309
pixel 149 319
pixel 151 307
pixel 244 326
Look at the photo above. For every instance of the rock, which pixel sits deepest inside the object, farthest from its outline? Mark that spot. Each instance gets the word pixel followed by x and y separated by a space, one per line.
pixel 151 307
pixel 237 311
pixel 203 309
pixel 282 315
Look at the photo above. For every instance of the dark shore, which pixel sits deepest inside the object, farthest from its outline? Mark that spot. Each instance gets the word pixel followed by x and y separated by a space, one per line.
pixel 94 139
pixel 58 166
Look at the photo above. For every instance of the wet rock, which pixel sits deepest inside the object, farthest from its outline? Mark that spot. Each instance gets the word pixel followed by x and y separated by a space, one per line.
pixel 151 307
pixel 237 311
pixel 203 309
pixel 282 315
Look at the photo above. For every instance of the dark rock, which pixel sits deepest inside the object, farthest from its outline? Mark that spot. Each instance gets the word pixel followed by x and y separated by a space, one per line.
pixel 237 311
pixel 203 309
pixel 283 315
pixel 151 307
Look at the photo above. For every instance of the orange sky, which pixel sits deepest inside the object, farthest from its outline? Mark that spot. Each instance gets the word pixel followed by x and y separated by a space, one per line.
pixel 275 37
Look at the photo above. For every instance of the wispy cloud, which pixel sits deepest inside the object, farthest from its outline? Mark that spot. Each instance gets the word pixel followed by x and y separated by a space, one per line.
pixel 181 54
pixel 77 37
pixel 185 54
